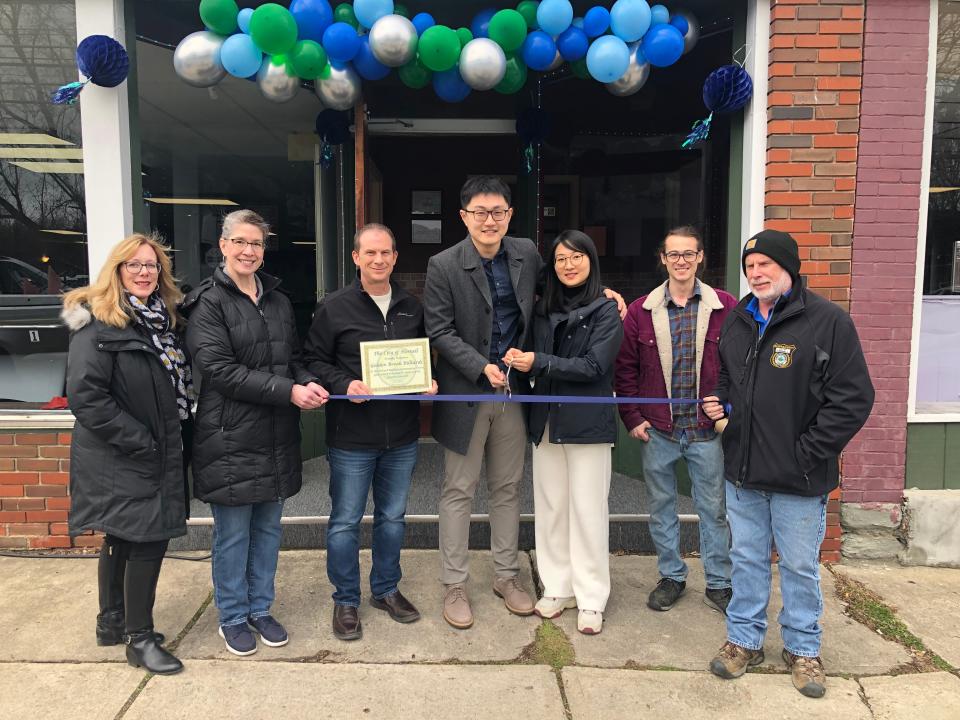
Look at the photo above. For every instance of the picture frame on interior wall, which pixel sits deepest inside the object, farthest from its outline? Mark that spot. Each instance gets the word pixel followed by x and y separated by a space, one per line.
pixel 426 202
pixel 426 232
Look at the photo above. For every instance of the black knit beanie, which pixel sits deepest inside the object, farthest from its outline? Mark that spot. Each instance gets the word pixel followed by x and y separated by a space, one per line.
pixel 778 246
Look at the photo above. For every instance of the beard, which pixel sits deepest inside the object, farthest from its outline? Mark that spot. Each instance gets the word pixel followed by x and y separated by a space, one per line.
pixel 776 289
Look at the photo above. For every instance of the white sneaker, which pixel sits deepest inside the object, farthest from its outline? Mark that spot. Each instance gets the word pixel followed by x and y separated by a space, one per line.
pixel 590 622
pixel 552 607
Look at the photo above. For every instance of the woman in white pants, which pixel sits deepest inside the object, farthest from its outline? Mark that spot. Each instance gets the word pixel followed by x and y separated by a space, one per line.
pixel 575 339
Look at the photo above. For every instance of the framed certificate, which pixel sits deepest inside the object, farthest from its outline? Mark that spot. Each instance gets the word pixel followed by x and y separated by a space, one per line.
pixel 394 367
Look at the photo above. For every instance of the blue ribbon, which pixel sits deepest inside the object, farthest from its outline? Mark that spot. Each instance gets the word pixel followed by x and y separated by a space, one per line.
pixel 570 399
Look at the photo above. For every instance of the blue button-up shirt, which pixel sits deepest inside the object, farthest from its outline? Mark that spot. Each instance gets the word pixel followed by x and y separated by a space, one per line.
pixel 506 311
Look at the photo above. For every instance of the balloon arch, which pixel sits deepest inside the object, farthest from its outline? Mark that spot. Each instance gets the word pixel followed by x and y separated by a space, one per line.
pixel 338 47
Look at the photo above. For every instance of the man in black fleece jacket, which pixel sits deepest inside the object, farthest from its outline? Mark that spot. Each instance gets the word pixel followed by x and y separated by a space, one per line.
pixel 795 387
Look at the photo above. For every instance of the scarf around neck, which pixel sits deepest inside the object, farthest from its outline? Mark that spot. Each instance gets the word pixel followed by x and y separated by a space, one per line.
pixel 153 316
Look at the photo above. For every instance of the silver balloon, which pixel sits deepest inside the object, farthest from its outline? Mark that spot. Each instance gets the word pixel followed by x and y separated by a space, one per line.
pixel 197 59
pixel 636 75
pixel 339 91
pixel 275 83
pixel 557 62
pixel 393 40
pixel 482 64
pixel 693 29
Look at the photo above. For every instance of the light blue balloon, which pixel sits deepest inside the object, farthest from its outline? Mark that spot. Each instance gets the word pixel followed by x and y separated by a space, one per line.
pixel 369 11
pixel 243 19
pixel 578 22
pixel 630 19
pixel 608 58
pixel 554 16
pixel 659 14
pixel 240 56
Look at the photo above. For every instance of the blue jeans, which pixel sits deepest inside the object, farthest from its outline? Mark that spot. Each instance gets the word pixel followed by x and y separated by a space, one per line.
pixel 796 524
pixel 352 472
pixel 246 546
pixel 705 463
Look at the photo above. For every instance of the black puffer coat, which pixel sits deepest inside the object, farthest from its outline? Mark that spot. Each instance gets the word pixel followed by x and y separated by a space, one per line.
pixel 247 438
pixel 126 456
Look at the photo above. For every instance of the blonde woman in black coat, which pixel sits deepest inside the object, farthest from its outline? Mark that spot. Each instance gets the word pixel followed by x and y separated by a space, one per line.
pixel 129 387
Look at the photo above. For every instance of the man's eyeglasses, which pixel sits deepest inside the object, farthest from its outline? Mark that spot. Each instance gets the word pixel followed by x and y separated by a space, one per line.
pixel 244 244
pixel 689 255
pixel 135 266
pixel 482 215
pixel 574 259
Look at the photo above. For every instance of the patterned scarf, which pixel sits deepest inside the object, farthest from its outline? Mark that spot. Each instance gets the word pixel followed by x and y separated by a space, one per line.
pixel 155 318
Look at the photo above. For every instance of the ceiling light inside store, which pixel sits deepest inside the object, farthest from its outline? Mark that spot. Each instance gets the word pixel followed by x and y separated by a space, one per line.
pixel 51 167
pixel 31 139
pixel 63 232
pixel 943 189
pixel 190 201
pixel 303 243
pixel 59 153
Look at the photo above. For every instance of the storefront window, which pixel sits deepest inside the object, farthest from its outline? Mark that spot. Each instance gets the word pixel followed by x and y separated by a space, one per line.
pixel 42 223
pixel 938 383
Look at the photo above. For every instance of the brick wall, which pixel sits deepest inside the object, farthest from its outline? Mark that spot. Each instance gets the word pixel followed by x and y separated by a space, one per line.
pixel 34 473
pixel 887 217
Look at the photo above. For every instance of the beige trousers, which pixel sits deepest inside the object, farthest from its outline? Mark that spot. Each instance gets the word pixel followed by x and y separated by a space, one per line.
pixel 571 484
pixel 499 436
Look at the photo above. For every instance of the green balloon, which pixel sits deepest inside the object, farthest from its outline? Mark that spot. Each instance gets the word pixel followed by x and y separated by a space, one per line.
pixel 401 10
pixel 508 29
pixel 528 8
pixel 579 68
pixel 325 72
pixel 219 15
pixel 308 59
pixel 273 29
pixel 439 48
pixel 515 77
pixel 344 13
pixel 465 36
pixel 414 75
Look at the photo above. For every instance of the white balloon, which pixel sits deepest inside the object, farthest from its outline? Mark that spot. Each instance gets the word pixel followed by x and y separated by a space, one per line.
pixel 393 40
pixel 636 75
pixel 275 83
pixel 197 59
pixel 339 91
pixel 557 62
pixel 482 64
pixel 693 29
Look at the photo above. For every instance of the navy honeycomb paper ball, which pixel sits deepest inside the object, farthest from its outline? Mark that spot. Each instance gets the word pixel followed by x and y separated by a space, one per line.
pixel 103 60
pixel 727 89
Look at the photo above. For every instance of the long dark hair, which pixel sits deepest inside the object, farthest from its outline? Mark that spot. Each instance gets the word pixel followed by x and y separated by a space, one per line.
pixel 554 298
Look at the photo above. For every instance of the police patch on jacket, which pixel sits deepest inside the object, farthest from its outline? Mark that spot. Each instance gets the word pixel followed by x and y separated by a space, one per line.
pixel 782 356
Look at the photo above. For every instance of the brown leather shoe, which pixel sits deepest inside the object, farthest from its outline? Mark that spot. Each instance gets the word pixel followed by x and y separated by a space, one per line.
pixel 346 623
pixel 397 606
pixel 517 600
pixel 732 661
pixel 807 673
pixel 456 607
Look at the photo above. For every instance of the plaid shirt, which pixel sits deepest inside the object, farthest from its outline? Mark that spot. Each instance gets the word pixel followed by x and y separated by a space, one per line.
pixel 683 377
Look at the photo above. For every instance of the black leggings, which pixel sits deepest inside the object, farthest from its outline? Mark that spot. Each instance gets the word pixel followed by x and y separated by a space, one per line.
pixel 138 550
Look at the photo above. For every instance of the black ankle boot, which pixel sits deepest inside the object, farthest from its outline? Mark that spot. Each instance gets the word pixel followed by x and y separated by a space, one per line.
pixel 144 651
pixel 110 630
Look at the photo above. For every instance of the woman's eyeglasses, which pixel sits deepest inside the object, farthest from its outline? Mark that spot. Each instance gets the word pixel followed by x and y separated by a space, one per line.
pixel 574 259
pixel 135 266
pixel 244 244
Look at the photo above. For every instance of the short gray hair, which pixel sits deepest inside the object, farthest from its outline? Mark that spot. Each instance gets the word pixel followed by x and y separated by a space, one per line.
pixel 244 217
pixel 369 227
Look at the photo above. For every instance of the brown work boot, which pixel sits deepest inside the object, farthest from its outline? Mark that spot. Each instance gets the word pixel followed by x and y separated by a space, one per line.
pixel 732 661
pixel 456 607
pixel 808 675
pixel 517 600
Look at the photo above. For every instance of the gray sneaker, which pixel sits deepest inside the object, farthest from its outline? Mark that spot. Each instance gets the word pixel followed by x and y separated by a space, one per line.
pixel 808 675
pixel 665 594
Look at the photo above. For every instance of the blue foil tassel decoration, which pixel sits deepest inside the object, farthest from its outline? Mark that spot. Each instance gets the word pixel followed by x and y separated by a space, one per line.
pixel 102 60
pixel 726 90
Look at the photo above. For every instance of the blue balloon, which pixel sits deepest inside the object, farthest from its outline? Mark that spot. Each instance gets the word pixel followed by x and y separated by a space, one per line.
pixel 630 19
pixel 538 50
pixel 681 24
pixel 662 45
pixel 243 20
pixel 573 44
pixel 659 14
pixel 341 42
pixel 608 58
pixel 480 27
pixel 313 18
pixel 369 11
pixel 422 21
pixel 596 21
pixel 450 86
pixel 366 63
pixel 554 16
pixel 240 55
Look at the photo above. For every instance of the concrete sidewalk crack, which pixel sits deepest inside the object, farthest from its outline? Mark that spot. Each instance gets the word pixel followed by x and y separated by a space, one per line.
pixel 862 692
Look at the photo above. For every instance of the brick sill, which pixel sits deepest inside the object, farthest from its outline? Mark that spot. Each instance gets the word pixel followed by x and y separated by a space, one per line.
pixel 36 420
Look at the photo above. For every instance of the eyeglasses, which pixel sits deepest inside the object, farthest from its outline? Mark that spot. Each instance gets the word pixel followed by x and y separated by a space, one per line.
pixel 482 215
pixel 244 244
pixel 574 259
pixel 688 255
pixel 135 266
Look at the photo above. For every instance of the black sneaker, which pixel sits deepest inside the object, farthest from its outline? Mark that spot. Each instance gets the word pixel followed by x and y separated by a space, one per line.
pixel 665 594
pixel 270 631
pixel 718 598
pixel 240 641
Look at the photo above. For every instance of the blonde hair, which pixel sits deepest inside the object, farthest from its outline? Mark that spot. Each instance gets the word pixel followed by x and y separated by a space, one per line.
pixel 106 297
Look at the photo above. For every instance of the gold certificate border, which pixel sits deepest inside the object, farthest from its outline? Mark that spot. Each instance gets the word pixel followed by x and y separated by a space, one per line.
pixel 421 384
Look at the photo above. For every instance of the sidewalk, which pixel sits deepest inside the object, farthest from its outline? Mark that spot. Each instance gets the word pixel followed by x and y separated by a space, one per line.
pixel 644 664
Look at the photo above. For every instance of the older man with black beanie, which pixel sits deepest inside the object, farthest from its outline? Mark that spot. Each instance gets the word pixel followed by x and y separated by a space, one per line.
pixel 795 389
